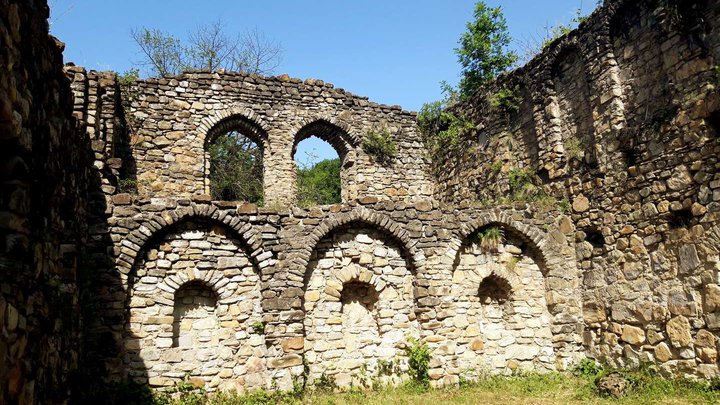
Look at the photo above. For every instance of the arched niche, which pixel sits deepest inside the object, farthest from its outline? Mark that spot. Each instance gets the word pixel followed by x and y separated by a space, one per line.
pixel 499 293
pixel 338 136
pixel 359 303
pixel 572 99
pixel 193 299
pixel 234 151
pixel 636 36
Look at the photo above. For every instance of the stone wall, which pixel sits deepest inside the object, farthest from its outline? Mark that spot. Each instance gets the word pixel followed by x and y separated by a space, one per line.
pixel 175 119
pixel 45 183
pixel 342 287
pixel 623 131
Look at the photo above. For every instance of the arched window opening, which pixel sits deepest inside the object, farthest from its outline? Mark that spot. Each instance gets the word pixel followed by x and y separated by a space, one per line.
pixel 318 168
pixel 236 169
pixel 194 318
pixel 234 161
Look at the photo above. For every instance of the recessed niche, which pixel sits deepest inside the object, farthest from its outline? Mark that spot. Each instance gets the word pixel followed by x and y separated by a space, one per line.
pixel 494 290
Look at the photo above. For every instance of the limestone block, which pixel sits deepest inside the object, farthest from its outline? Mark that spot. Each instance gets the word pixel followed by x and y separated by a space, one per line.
pixel 678 331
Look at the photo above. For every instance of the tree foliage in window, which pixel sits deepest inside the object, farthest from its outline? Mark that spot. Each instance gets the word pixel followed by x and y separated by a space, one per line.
pixel 236 169
pixel 319 184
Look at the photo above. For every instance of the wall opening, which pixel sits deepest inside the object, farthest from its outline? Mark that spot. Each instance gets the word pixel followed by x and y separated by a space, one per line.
pixel 317 168
pixel 194 318
pixel 682 218
pixel 234 161
pixel 323 153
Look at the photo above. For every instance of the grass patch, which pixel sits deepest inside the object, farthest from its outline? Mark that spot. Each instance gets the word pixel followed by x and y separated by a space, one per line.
pixel 579 387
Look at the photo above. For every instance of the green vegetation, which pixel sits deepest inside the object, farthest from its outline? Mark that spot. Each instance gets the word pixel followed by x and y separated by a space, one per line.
pixel 489 238
pixel 512 263
pixel 380 144
pixel 577 387
pixel 507 99
pixel 258 327
pixel 520 181
pixel 127 186
pixel 236 169
pixel 441 129
pixel 483 52
pixel 210 47
pixel 418 355
pixel 716 77
pixel 319 184
pixel 553 33
pixel 573 148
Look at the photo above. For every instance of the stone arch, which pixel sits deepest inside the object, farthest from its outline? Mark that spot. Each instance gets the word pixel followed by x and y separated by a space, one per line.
pixel 217 257
pixel 234 117
pixel 536 238
pixel 340 137
pixel 135 241
pixel 374 219
pixel 213 281
pixel 331 130
pixel 244 122
pixel 498 292
pixel 359 297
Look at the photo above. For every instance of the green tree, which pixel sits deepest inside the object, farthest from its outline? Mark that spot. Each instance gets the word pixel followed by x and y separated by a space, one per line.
pixel 236 169
pixel 483 52
pixel 319 184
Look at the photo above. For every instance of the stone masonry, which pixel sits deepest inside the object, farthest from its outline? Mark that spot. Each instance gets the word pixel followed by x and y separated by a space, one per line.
pixel 144 277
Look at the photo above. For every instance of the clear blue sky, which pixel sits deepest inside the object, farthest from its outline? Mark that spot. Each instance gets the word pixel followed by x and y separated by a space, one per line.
pixel 393 51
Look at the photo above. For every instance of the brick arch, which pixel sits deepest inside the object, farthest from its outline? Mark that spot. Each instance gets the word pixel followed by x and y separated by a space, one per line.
pixel 137 240
pixel 231 118
pixel 415 257
pixel 330 129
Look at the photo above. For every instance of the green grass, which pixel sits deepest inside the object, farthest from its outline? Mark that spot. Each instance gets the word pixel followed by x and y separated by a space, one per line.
pixel 536 389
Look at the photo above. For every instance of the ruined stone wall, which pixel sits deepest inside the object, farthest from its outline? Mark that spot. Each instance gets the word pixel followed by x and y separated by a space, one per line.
pixel 45 180
pixel 618 123
pixel 342 287
pixel 173 120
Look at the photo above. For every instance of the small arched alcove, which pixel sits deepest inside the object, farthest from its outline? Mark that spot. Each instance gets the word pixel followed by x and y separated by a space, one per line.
pixel 193 296
pixel 234 152
pixel 323 153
